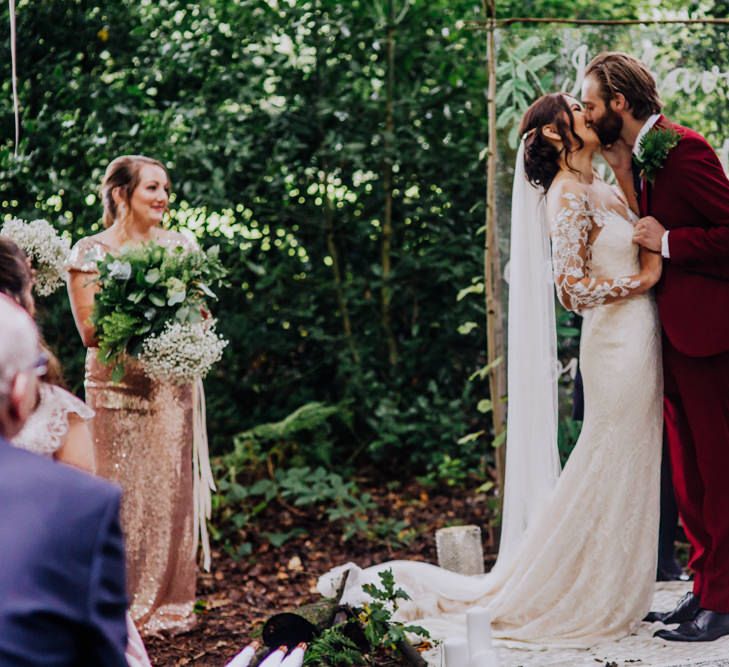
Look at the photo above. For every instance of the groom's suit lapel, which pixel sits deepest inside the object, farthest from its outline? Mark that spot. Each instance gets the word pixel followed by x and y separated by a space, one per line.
pixel 644 197
pixel 646 191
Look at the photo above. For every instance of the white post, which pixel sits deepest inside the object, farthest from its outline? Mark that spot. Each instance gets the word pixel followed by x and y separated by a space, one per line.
pixel 460 549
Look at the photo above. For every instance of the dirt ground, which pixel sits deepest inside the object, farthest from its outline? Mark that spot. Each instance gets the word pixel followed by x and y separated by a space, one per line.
pixel 235 598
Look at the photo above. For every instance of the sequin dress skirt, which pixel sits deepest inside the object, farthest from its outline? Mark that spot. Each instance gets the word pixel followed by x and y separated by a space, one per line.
pixel 142 435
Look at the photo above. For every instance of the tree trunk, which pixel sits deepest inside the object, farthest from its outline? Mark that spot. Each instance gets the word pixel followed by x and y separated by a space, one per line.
pixel 492 268
pixel 337 272
pixel 329 226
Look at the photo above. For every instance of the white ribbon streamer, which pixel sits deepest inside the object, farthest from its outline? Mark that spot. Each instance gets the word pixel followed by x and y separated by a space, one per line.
pixel 202 482
pixel 14 76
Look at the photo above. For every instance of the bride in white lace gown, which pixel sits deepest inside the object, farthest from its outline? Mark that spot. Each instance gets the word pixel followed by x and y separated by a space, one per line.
pixel 582 570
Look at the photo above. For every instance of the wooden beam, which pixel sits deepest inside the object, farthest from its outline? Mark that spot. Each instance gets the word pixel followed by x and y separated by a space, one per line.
pixel 504 23
pixel 495 348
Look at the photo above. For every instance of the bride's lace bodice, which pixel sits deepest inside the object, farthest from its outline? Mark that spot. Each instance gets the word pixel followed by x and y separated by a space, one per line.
pixel 594 258
pixel 46 428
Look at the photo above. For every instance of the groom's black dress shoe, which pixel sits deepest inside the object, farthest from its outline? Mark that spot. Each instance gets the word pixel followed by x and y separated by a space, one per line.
pixel 686 609
pixel 706 627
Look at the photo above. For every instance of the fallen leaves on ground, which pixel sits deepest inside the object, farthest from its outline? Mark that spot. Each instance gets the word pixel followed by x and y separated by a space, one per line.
pixel 236 598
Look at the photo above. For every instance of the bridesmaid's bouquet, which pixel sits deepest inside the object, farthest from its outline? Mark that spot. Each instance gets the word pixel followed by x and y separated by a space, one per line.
pixel 46 249
pixel 152 305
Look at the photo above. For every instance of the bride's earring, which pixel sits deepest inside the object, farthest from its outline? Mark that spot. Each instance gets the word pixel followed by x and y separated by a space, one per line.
pixel 122 211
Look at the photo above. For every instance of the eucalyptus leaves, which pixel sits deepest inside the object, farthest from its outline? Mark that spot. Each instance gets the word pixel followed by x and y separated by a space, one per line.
pixel 152 305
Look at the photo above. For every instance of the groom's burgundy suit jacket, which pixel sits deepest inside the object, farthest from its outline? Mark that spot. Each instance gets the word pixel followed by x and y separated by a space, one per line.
pixel 690 198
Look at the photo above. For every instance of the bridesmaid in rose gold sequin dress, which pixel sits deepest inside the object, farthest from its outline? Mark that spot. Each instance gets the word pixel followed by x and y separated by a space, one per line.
pixel 143 429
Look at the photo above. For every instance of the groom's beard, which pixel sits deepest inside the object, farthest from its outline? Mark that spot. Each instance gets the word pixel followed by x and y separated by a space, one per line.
pixel 609 127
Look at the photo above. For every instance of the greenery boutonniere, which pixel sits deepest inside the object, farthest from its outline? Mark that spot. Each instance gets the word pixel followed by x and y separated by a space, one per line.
pixel 654 149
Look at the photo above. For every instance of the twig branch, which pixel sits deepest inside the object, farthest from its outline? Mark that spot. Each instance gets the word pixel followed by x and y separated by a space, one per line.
pixel 505 23
pixel 387 223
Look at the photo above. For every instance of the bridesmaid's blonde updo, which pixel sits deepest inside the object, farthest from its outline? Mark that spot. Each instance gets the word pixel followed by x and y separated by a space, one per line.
pixel 123 173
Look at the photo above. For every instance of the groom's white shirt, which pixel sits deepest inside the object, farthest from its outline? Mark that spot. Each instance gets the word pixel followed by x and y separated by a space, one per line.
pixel 652 120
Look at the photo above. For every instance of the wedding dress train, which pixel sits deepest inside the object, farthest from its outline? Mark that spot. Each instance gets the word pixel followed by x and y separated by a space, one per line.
pixel 584 569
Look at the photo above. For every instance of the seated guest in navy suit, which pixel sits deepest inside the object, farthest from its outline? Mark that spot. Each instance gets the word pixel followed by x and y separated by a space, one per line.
pixel 62 588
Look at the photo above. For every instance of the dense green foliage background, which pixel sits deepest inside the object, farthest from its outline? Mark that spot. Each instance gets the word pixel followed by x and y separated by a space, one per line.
pixel 273 118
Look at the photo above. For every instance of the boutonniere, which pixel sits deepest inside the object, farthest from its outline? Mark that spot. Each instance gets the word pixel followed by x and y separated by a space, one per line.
pixel 654 149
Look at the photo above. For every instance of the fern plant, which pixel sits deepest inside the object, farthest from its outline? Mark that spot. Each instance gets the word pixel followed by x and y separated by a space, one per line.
pixel 307 429
pixel 333 649
pixel 654 149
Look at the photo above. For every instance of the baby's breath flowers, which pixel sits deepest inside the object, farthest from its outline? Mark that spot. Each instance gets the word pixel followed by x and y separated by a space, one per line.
pixel 182 352
pixel 46 249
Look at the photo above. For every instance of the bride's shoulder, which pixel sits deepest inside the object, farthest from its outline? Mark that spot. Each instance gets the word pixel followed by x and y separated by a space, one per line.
pixel 568 188
pixel 568 195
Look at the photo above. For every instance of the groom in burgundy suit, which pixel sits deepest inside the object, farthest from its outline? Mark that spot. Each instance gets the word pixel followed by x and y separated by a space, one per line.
pixel 683 193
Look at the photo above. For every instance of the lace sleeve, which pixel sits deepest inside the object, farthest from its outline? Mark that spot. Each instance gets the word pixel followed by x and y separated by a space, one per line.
pixel 46 428
pixel 576 288
pixel 84 256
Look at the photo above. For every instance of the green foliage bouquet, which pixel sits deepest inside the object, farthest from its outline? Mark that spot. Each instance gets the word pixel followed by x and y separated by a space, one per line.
pixel 152 305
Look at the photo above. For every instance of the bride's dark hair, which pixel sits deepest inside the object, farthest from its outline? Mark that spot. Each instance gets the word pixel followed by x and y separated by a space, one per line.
pixel 541 158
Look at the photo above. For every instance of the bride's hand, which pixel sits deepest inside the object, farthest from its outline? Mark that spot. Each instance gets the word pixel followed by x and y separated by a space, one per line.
pixel 618 155
pixel 651 266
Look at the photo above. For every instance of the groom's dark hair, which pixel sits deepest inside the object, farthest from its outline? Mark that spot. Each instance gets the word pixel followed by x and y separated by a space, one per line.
pixel 619 72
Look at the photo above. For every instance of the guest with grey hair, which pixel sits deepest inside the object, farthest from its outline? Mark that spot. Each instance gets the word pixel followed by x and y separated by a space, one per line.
pixel 62 597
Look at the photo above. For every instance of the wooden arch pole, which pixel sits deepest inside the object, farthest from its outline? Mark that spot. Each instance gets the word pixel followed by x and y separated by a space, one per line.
pixel 495 347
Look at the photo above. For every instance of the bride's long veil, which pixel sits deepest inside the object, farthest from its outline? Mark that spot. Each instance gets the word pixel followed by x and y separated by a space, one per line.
pixel 532 460
pixel 532 457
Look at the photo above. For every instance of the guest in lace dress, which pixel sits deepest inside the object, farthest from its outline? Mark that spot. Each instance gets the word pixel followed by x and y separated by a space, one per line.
pixel 63 434
pixel 143 428
pixel 58 426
